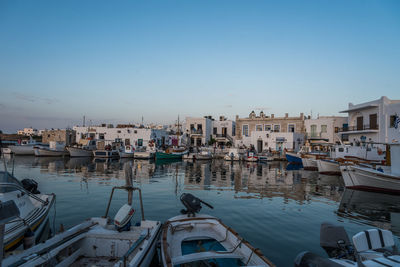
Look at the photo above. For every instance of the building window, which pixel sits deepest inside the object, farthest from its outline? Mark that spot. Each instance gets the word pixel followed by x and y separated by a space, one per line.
pixel 277 128
pixel 258 127
pixel 245 130
pixel 129 131
pixel 101 136
pixel 313 130
pixel 267 127
pixel 118 131
pixel 215 131
pixel 323 128
pixel 135 131
pixel 291 128
pixel 140 142
pixel 392 121
pixel 336 129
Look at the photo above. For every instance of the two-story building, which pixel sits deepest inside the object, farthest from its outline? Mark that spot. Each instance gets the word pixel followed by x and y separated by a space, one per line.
pixel 269 132
pixel 324 128
pixel 28 132
pixel 198 130
pixel 126 134
pixel 223 131
pixel 372 121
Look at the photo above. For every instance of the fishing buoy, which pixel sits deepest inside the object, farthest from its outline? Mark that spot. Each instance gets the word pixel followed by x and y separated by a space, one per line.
pixel 29 238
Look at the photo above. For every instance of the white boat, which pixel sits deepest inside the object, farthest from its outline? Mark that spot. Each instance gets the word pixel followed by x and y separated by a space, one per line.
pixel 126 151
pixel 33 210
pixel 328 166
pixel 251 156
pixel 25 148
pixel 378 178
pixel 203 240
pixel 97 242
pixel 372 248
pixel 56 149
pixel 233 155
pixel 309 164
pixel 83 149
pixel 105 153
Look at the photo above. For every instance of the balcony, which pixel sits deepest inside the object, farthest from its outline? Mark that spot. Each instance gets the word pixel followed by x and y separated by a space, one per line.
pixel 359 128
pixel 198 132
pixel 220 135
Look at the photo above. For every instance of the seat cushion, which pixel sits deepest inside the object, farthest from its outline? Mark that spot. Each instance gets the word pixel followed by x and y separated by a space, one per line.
pixel 373 239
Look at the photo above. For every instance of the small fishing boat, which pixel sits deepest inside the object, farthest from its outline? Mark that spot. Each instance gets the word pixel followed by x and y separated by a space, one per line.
pixel 56 149
pixel 293 157
pixel 373 247
pixel 233 155
pixel 144 152
pixel 84 148
pixel 328 166
pixel 171 153
pixel 33 208
pixel 25 148
pixel 374 177
pixel 107 152
pixel 126 151
pixel 251 156
pixel 98 241
pixel 203 240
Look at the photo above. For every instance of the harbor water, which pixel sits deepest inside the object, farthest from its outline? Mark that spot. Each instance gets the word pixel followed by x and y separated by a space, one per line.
pixel 277 207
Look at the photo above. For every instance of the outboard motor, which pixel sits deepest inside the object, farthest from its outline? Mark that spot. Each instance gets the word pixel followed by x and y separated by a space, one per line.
pixel 30 185
pixel 122 219
pixel 335 241
pixel 192 204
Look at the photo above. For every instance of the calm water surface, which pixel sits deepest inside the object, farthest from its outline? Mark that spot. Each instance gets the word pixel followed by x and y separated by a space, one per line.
pixel 276 208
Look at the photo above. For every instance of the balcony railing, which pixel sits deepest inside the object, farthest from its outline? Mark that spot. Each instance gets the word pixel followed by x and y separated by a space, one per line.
pixel 359 128
pixel 220 135
pixel 194 131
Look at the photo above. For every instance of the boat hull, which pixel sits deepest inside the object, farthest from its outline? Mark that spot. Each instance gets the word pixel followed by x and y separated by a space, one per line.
pixel 293 158
pixel 126 155
pixel 105 154
pixel 162 155
pixel 40 152
pixel 23 150
pixel 362 178
pixel 328 167
pixel 310 164
pixel 79 152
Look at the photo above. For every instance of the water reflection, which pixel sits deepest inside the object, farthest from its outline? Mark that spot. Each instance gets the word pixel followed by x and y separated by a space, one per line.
pixel 375 209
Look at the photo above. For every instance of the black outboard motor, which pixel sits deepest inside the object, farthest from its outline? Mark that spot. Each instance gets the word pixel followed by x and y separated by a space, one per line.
pixel 335 241
pixel 192 204
pixel 30 185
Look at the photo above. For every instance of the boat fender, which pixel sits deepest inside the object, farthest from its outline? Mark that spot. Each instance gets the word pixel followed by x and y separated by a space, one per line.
pixel 29 238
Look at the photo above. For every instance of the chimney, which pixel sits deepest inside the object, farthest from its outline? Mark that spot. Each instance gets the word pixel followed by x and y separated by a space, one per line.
pixel 302 116
pixel 286 115
pixel 272 116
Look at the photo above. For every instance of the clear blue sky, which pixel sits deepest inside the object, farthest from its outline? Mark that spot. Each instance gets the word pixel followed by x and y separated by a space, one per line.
pixel 115 61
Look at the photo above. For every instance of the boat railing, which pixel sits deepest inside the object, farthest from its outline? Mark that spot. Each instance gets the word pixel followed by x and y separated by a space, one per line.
pixel 20 188
pixel 128 188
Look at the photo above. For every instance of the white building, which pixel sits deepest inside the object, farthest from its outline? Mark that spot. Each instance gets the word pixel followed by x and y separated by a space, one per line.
pixel 274 141
pixel 223 130
pixel 129 135
pixel 372 121
pixel 325 128
pixel 199 130
pixel 28 132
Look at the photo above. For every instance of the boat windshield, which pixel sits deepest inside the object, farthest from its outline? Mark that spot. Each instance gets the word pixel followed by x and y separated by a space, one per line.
pixel 6 177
